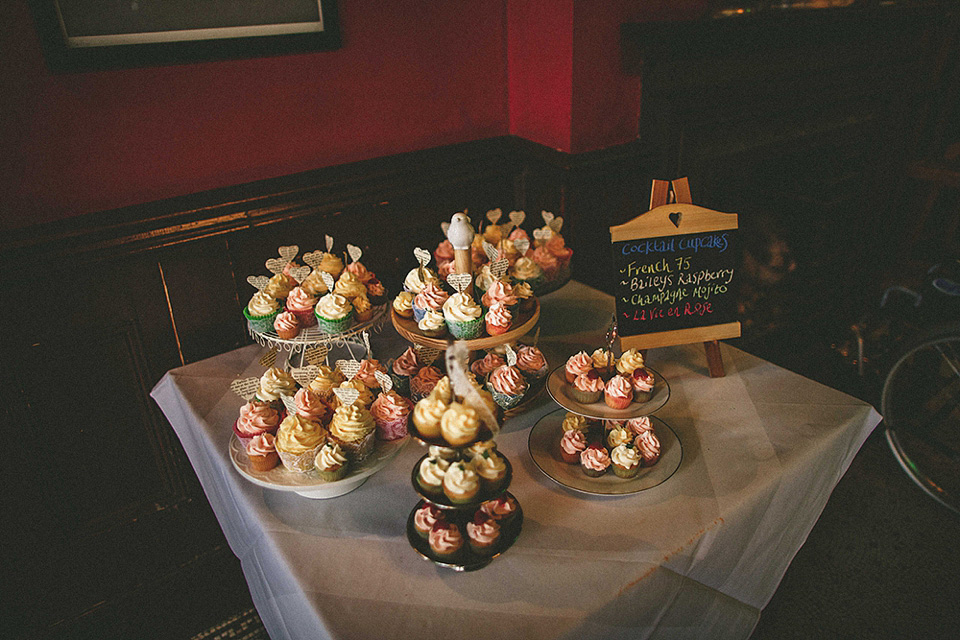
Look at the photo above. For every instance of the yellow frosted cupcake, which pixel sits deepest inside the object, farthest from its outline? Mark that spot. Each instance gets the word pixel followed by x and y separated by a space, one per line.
pixel 403 304
pixel 298 441
pixel 326 380
pixel 353 429
pixel 459 425
pixel 427 415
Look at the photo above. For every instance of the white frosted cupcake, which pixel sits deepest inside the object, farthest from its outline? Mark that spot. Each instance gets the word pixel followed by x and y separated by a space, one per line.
pixel 334 313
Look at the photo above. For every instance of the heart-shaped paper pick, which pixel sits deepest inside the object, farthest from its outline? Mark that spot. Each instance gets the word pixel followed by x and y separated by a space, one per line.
pixel 490 250
pixel 329 243
pixel 355 252
pixel 314 258
pixel 289 252
pixel 346 395
pixel 316 355
pixel 498 268
pixel 460 281
pixel 676 218
pixel 259 282
pixel 547 217
pixel 422 256
pixel 556 224
pixel 386 383
pixel 305 375
pixel 511 355
pixel 269 358
pixel 245 387
pixel 349 368
pixel 517 217
pixel 522 245
pixel 427 355
pixel 327 280
pixel 289 403
pixel 542 235
pixel 444 226
pixel 300 273
pixel 494 214
pixel 276 265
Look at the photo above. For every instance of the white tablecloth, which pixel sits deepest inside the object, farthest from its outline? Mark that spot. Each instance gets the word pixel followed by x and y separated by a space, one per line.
pixel 698 556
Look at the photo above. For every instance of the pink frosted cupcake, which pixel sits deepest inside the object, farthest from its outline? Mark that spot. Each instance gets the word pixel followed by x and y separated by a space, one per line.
pixel 391 412
pixel 362 274
pixel 547 261
pixel 287 325
pixel 430 298
pixel 262 452
pixel 507 385
pixel 502 292
pixel 256 418
pixel 577 364
pixel 483 366
pixel 424 382
pixel 572 444
pixel 443 252
pixel 594 460
pixel 639 425
pixel 648 446
pixel 425 517
pixel 498 319
pixel 301 304
pixel 531 363
pixel 310 405
pixel 586 388
pixel 618 393
pixel 503 509
pixel 446 542
pixel 367 373
pixel 483 533
pixel 642 381
pixel 558 248
pixel 403 369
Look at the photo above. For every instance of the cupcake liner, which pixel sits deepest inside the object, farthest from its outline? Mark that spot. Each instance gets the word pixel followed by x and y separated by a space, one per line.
pixel 401 384
pixel 583 397
pixel 592 472
pixel 505 401
pixel 357 450
pixel 299 462
pixel 617 403
pixel 306 317
pixel 465 330
pixel 536 376
pixel 623 472
pixel 484 549
pixel 642 396
pixel 331 325
pixel 264 463
pixel 332 475
pixel 430 490
pixel 462 499
pixel 392 429
pixel 262 324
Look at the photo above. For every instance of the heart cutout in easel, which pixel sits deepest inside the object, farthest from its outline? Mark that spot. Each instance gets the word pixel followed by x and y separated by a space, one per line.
pixel 259 282
pixel 386 382
pixel 675 218
pixel 245 387
pixel 459 281
pixel 349 368
pixel 522 245
pixel 354 252
pixel 346 395
pixel 314 258
pixel 288 253
pixel 494 214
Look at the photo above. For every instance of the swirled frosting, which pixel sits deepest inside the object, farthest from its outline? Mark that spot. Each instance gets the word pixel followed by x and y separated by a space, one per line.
pixel 261 445
pixel 351 423
pixel 425 380
pixel 407 364
pixel 365 399
pixel 648 446
pixel 484 277
pixel 518 234
pixel 530 359
pixel 444 269
pixel 314 284
pixel 595 458
pixel 427 516
pixel 442 390
pixel 285 321
pixel 483 529
pixel 431 297
pixel 334 306
pixel 376 289
pixel 579 363
pixel 432 471
pixel 589 381
pixel 431 321
pixel 486 364
pixel 403 303
pixel 278 286
pixel 499 316
pixel 330 457
pixel 256 418
pixel 459 424
pixel 618 436
pixel 445 537
pixel 603 359
pixel 629 361
pixel 349 286
pixel 447 453
pixel 499 291
pixel 461 478
pixel 619 387
pixel 522 291
pixel 361 304
pixel 625 456
pixel 300 300
pixel 310 405
pixel 460 307
pixel 360 272
pixel 526 269
pixel 427 414
pixel 642 379
pixel 414 283
pixel 489 466
pixel 262 304
pixel 331 264
pixel 546 260
pixel 390 406
pixel 443 252
pixel 557 247
pixel 326 380
pixel 499 508
pixel 367 373
pixel 508 380
pixel 479 448
pixel 639 425
pixel 574 422
pixel 573 441
pixel 298 435
pixel 276 382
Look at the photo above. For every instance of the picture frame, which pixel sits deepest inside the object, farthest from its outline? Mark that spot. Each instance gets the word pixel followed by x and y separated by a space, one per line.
pixel 91 35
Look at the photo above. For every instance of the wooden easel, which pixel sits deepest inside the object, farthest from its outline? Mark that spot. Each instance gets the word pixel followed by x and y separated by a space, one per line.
pixel 659 195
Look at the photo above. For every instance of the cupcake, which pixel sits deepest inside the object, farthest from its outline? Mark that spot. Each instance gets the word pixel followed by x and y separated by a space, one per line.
pixel 431 298
pixel 524 294
pixel 301 304
pixel 492 471
pixel 362 309
pixel 275 383
pixel 461 484
pixel 574 421
pixel 427 415
pixel 415 283
pixel 577 364
pixel 628 362
pixel 424 382
pixel 618 393
pixel 618 436
pixel 278 286
pixel 643 382
pixel 572 444
pixel 594 461
pixel 507 385
pixel 349 286
pixel 447 453
pixel 648 446
pixel 425 517
pixel 403 304
pixel 287 325
pixel 501 292
pixel 391 413
pixel 314 284
pixel 482 367
pixel 327 379
pixel 430 476
pixel 331 463
pixel 352 427
pixel 603 362
pixel 463 317
pixel 364 399
pixel 625 460
pixel 531 363
pixel 432 324
pixel 479 448
pixel 558 248
pixel 503 509
pixel 529 272
pixel 444 252
pixel 331 264
pixel 360 272
pixel 498 320
pixel 483 533
pixel 459 425
pixel 442 390
pixel 376 292
pixel 298 441
pixel 403 369
pixel 310 405
pixel 260 312
pixel 256 418
pixel 546 261
pixel 368 372
pixel 262 452
pixel 639 425
pixel 483 281
pixel 446 543
pixel 334 313
pixel 587 388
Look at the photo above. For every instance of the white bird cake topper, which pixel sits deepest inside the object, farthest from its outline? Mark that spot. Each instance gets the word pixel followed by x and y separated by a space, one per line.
pixel 460 233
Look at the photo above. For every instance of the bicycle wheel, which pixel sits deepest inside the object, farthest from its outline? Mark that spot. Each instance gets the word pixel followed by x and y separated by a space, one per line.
pixel 920 404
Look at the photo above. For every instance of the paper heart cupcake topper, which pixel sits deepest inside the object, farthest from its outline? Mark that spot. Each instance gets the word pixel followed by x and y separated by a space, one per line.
pixel 289 252
pixel 460 281
pixel 511 355
pixel 346 395
pixel 355 252
pixel 517 217
pixel 498 268
pixel 547 217
pixel 246 388
pixel 300 273
pixel 426 355
pixel 276 265
pixel 422 256
pixel 522 245
pixel 314 258
pixel 305 375
pixel 444 226
pixel 556 224
pixel 329 243
pixel 289 403
pixel 542 235
pixel 386 382
pixel 490 250
pixel 316 355
pixel 259 282
pixel 327 280
pixel 494 214
pixel 269 358
pixel 349 368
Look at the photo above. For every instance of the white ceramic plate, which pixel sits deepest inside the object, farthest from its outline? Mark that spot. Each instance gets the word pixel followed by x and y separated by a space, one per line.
pixel 309 484
pixel 544 445
pixel 557 388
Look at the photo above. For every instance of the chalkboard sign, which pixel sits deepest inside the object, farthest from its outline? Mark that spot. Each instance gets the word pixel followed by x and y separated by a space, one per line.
pixel 676 274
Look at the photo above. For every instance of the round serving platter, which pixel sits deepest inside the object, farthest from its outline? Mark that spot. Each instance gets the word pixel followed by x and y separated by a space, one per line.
pixel 443 502
pixel 557 388
pixel 468 561
pixel 309 484
pixel 544 446
pixel 311 336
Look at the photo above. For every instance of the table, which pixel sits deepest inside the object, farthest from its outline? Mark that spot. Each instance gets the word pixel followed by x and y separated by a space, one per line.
pixel 697 556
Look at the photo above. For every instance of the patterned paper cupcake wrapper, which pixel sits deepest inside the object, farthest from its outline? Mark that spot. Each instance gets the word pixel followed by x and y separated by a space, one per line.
pixel 357 450
pixel 299 462
pixel 261 324
pixel 536 376
pixel 307 318
pixel 584 397
pixel 505 401
pixel 401 384
pixel 329 325
pixel 333 476
pixel 418 313
pixel 392 429
pixel 466 330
